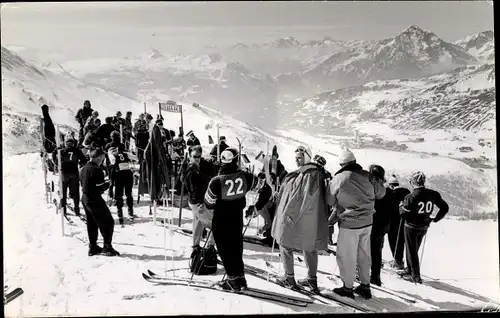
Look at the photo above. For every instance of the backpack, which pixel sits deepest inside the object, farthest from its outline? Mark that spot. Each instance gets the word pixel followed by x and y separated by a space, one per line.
pixel 203 261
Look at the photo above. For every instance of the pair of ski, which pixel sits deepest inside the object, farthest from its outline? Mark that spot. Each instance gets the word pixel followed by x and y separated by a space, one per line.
pixel 327 298
pixel 379 288
pixel 252 292
pixel 10 296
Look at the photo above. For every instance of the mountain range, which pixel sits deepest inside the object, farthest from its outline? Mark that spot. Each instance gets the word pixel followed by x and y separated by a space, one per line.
pixel 154 76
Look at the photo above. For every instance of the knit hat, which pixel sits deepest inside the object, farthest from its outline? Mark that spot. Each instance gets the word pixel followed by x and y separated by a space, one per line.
pixel 320 160
pixel 228 155
pixel 418 178
pixel 307 153
pixel 393 179
pixel 346 156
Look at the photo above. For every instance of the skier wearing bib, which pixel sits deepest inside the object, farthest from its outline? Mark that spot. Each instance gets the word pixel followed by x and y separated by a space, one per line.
pixel 416 211
pixel 123 179
pixel 71 158
pixel 226 196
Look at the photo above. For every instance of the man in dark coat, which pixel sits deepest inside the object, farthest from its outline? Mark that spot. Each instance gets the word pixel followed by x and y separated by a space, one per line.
pixel 103 133
pixel 98 215
pixel 226 197
pixel 81 117
pixel 396 227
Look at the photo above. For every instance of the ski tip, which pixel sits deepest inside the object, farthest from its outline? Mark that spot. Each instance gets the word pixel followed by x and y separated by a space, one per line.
pixel 145 276
pixel 151 273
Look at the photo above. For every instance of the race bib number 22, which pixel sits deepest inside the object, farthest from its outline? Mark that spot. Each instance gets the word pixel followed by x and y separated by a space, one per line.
pixel 234 187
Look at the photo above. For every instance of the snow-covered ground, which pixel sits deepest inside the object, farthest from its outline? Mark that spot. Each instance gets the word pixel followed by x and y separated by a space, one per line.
pixel 59 278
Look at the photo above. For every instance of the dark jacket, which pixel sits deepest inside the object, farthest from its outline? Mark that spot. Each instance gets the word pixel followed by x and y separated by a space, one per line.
pixel 196 184
pixel 92 180
pixel 226 192
pixel 418 206
pixel 82 115
pixel 193 142
pixel 223 146
pixel 71 159
pixel 264 194
pixel 103 133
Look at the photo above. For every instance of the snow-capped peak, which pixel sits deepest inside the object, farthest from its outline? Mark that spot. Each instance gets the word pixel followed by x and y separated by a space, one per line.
pixel 480 45
pixel 286 42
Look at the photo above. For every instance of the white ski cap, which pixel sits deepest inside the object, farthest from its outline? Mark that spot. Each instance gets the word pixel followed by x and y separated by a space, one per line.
pixel 307 153
pixel 346 156
pixel 228 155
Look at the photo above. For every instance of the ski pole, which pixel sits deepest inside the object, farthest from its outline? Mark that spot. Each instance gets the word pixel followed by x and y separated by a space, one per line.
pixel 171 222
pixel 165 234
pixel 203 259
pixel 397 240
pixel 423 248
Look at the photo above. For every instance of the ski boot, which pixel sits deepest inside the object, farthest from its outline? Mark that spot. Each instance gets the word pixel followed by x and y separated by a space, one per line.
pixel 288 281
pixel 309 282
pixel 376 281
pixel 108 250
pixel 94 250
pixel 231 283
pixel 364 291
pixel 344 292
pixel 242 282
pixel 396 265
pixel 412 278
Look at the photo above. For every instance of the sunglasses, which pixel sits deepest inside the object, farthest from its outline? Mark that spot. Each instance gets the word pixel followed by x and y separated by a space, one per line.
pixel 196 157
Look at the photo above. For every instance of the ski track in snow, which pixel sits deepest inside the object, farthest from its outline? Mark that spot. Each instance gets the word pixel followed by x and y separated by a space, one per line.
pixel 58 277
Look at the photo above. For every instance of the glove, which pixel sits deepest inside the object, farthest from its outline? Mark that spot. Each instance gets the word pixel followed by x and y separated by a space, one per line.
pixel 201 208
pixel 251 212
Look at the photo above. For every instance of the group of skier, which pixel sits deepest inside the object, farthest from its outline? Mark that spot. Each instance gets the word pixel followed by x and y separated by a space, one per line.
pixel 299 208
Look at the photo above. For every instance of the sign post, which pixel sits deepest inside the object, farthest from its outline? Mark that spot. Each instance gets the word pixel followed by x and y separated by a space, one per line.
pixel 173 107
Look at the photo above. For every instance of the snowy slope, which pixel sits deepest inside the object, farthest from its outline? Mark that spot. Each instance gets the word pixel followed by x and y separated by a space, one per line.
pixel 27 86
pixel 454 113
pixel 60 279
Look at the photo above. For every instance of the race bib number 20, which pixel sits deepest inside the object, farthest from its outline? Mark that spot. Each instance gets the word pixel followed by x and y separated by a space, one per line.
pixel 234 187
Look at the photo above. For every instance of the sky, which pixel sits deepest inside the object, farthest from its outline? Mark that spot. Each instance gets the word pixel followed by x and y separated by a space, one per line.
pixel 118 29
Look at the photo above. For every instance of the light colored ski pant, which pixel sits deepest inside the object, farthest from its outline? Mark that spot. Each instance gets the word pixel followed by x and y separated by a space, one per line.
pixel 353 250
pixel 202 218
pixel 310 258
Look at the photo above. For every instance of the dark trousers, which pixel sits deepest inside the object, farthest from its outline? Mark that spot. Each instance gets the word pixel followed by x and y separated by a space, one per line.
pixel 81 136
pixel 141 140
pixel 99 218
pixel 228 236
pixel 73 184
pixel 413 240
pixel 376 246
pixel 397 239
pixel 124 180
